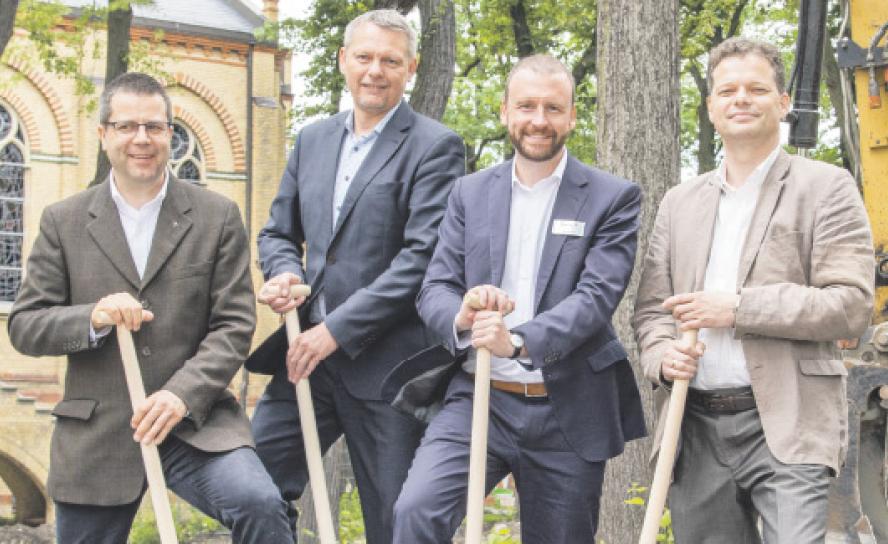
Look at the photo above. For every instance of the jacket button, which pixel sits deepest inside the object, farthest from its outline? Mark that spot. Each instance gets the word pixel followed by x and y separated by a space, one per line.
pixel 146 351
pixel 146 304
pixel 331 258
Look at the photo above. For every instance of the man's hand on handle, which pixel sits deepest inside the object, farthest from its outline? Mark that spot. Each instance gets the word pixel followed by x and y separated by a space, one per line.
pixel 307 350
pixel 154 418
pixel 488 298
pixel 119 309
pixel 276 293
pixel 703 309
pixel 679 362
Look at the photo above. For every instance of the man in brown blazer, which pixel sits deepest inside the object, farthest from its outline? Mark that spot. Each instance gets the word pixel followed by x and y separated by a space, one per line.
pixel 169 261
pixel 770 257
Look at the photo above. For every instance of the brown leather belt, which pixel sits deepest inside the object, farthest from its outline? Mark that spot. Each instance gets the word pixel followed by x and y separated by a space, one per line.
pixel 723 401
pixel 529 390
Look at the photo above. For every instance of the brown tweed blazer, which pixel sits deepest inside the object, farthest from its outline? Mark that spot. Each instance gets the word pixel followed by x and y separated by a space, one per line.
pixel 196 282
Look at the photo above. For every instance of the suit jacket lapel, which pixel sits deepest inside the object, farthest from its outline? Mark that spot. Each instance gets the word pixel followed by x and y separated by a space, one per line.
pixel 172 225
pixel 701 229
pixel 499 204
pixel 107 232
pixel 568 202
pixel 387 143
pixel 333 139
pixel 772 186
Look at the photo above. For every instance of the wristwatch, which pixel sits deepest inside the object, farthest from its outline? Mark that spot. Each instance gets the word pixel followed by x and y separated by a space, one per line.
pixel 517 343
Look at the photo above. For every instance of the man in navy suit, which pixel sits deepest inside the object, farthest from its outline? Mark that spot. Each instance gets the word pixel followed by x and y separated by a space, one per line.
pixel 556 240
pixel 365 191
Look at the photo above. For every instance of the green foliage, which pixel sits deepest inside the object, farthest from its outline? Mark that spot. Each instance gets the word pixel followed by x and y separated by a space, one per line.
pixel 351 519
pixel 637 498
pixel 64 50
pixel 190 523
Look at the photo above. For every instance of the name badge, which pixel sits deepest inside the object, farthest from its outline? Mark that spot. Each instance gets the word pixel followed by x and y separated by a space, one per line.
pixel 568 228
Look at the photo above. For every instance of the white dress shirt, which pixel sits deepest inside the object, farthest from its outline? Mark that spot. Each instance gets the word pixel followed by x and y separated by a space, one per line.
pixel 138 226
pixel 529 217
pixel 723 364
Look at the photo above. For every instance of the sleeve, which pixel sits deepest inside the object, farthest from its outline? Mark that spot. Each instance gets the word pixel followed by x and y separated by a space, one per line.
pixel 654 326
pixel 838 300
pixel 555 333
pixel 280 240
pixel 372 310
pixel 444 286
pixel 42 320
pixel 231 321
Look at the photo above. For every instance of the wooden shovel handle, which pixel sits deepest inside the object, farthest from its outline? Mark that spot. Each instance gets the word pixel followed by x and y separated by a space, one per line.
pixel 150 456
pixel 666 455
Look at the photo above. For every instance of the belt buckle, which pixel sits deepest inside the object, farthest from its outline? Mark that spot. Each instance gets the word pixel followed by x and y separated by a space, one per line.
pixel 530 395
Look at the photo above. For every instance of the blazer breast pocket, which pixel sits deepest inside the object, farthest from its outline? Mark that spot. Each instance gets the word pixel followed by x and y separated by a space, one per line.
pixel 190 270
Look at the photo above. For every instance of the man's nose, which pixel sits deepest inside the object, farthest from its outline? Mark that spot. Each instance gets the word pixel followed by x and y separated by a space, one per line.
pixel 141 134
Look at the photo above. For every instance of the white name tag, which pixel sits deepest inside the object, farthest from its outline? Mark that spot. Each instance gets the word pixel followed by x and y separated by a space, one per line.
pixel 568 228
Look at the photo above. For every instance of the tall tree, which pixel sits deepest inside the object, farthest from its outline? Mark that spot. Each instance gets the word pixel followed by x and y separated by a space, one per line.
pixel 434 78
pixel 7 21
pixel 120 19
pixel 638 138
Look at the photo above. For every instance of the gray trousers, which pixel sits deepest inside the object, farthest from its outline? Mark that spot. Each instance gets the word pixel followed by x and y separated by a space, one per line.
pixel 726 479
pixel 558 491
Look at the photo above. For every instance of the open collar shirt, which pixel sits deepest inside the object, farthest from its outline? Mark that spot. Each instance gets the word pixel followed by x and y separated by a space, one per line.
pixel 723 364
pixel 529 216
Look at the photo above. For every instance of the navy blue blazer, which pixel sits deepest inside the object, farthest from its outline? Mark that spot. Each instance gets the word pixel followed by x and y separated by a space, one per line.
pixel 369 264
pixel 581 280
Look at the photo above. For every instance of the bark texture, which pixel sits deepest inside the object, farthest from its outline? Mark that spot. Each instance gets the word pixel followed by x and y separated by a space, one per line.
pixel 7 21
pixel 638 138
pixel 437 49
pixel 116 63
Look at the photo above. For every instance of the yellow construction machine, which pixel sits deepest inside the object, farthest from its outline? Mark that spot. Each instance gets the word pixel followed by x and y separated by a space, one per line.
pixel 858 499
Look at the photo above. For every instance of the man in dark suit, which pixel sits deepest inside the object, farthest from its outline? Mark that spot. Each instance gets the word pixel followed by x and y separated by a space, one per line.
pixel 556 240
pixel 169 261
pixel 365 191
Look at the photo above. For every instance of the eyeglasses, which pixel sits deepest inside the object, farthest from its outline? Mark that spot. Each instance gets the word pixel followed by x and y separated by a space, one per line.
pixel 129 128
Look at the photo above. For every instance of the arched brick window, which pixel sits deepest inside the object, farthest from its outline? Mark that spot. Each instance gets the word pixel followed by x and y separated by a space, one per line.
pixel 186 156
pixel 12 196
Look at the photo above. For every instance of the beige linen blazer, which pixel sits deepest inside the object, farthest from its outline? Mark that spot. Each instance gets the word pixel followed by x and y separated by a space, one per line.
pixel 198 285
pixel 806 279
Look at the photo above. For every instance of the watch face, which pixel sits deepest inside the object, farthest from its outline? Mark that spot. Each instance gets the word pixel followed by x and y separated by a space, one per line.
pixel 517 340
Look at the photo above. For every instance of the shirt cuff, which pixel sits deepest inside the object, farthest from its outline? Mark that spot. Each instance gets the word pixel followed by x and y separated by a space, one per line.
pixel 462 340
pixel 96 335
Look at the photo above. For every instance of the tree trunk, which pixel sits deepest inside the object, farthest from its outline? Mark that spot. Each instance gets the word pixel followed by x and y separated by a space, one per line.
pixel 116 63
pixel 7 21
pixel 638 138
pixel 523 38
pixel 403 6
pixel 339 476
pixel 705 129
pixel 434 77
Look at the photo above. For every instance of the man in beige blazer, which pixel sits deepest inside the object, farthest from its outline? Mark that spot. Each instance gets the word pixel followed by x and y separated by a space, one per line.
pixel 169 261
pixel 770 257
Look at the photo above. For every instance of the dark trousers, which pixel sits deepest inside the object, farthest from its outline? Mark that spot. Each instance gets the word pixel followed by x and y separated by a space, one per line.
pixel 726 479
pixel 558 491
pixel 231 487
pixel 381 443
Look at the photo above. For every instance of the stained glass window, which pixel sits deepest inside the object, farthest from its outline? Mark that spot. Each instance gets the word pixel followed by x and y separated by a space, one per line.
pixel 186 157
pixel 12 193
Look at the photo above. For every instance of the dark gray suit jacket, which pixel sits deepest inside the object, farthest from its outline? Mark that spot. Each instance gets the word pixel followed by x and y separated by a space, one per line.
pixel 196 282
pixel 371 263
pixel 580 281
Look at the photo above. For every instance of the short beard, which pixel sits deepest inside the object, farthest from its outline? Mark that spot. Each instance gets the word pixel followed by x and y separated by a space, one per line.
pixel 548 154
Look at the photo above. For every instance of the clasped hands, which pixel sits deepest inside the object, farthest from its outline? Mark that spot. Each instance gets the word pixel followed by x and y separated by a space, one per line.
pixel 310 347
pixel 160 412
pixel 488 328
pixel 694 311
